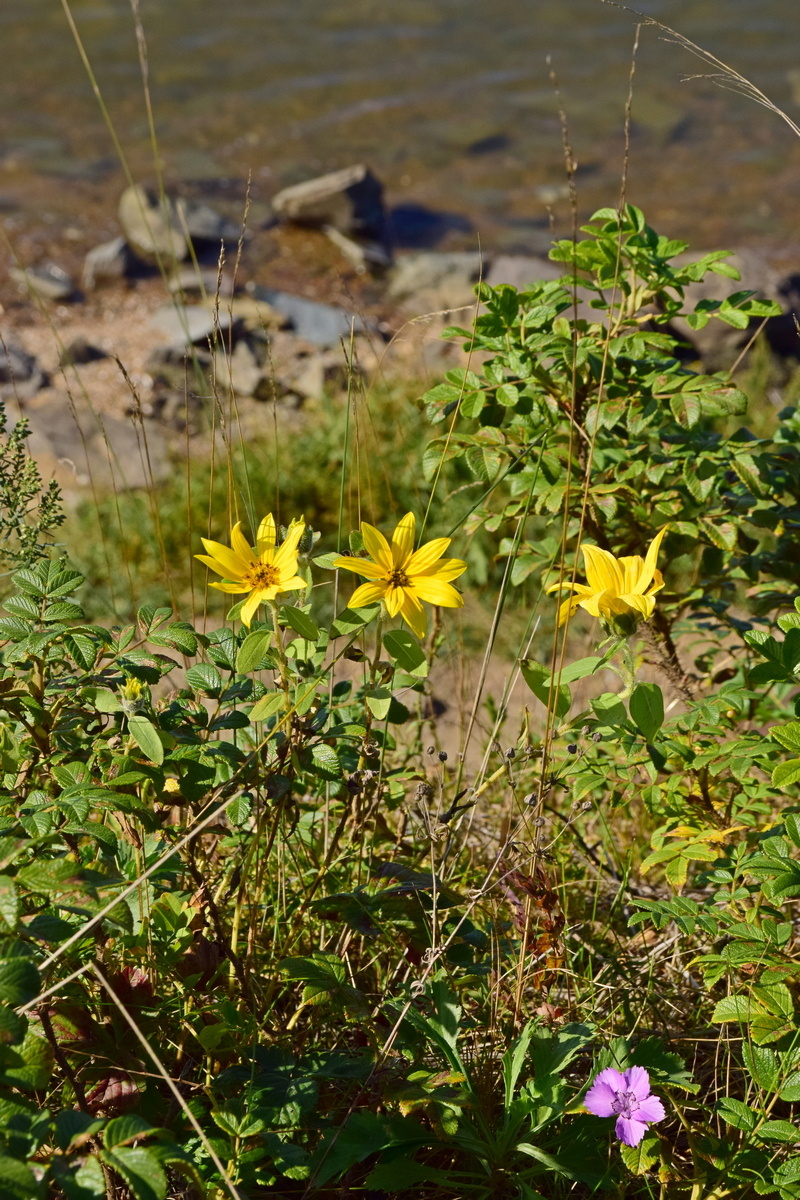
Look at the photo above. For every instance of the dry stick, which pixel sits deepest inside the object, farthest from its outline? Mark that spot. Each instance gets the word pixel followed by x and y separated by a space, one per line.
pixel 169 1082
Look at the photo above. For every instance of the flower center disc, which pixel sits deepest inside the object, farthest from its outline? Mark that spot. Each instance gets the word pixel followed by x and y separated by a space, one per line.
pixel 625 1103
pixel 262 575
pixel 398 578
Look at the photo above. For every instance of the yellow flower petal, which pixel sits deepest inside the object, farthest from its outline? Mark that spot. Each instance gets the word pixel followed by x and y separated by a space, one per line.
pixel 366 594
pixel 436 591
pixel 286 554
pixel 394 597
pixel 240 545
pixel 291 585
pixel 414 614
pixel 361 566
pixel 602 570
pixel 649 567
pixel 377 547
pixel 641 604
pixel 403 540
pixel 233 566
pixel 227 585
pixel 448 568
pixel 424 558
pixel 250 605
pixel 265 538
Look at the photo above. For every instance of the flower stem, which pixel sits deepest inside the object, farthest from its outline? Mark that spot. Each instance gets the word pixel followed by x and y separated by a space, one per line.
pixel 281 653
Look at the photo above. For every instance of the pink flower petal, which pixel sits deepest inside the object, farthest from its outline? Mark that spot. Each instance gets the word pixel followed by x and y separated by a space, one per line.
pixel 650 1109
pixel 600 1099
pixel 630 1131
pixel 637 1080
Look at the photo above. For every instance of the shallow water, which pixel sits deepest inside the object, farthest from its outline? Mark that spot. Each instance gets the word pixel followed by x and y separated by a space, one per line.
pixel 451 101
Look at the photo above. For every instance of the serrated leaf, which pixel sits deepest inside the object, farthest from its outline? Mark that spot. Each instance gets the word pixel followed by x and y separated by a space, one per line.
pixel 647 709
pixel 300 622
pixel 325 762
pixel 140 1170
pixel 36 1066
pixel 639 1159
pixel 146 737
pixel 787 735
pixel 9 904
pixel 267 706
pixel 203 677
pixel 17 1181
pixel 537 677
pixel 762 1063
pixel 121 1130
pixel 786 773
pixel 778 1131
pixel 252 650
pixel 406 651
pixel 239 809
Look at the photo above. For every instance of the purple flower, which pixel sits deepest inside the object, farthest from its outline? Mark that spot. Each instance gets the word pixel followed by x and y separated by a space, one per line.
pixel 627 1097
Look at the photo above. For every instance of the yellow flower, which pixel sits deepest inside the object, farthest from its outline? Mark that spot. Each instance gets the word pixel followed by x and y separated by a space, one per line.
pixel 263 572
pixel 617 587
pixel 401 576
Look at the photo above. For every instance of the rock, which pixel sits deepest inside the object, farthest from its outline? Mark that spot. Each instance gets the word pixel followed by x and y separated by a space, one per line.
pixel 48 281
pixel 437 280
pixel 240 371
pixel 78 352
pixel 151 225
pixel 322 324
pixel 350 200
pixel 206 280
pixel 522 270
pixel 363 255
pixel 107 262
pixel 203 223
pixel 196 323
pixel 257 316
pixel 21 377
pixel 82 448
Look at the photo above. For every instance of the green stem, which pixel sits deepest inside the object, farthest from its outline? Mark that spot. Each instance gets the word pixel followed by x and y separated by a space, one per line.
pixel 281 653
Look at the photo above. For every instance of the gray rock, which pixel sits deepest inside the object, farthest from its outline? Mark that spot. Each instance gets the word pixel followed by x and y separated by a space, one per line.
pixel 21 377
pixel 78 352
pixel 151 225
pixel 49 281
pixel 88 449
pixel 196 323
pixel 240 371
pixel 522 270
pixel 107 262
pixel 204 280
pixel 444 280
pixel 350 200
pixel 322 324
pixel 203 223
pixel 364 256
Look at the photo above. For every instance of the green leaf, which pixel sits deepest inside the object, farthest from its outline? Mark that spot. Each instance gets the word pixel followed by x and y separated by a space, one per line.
pixel 647 709
pixel 778 1131
pixel 36 1066
pixel 252 650
pixel 325 762
pixel 121 1130
pixel 639 1159
pixel 379 702
pixel 104 700
pixel 300 622
pixel 9 904
pixel 537 677
pixel 406 651
pixel 351 620
pixel 762 1063
pixel 17 1181
pixel 582 667
pixel 144 734
pixel 786 773
pixel 19 979
pixel 737 1114
pixel 267 706
pixel 204 678
pixel 140 1170
pixel 788 735
pixel 80 1180
pixel 239 809
pixel 402 1174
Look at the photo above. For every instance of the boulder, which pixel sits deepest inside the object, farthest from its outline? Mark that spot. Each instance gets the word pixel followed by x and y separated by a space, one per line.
pixel 78 352
pixel 107 262
pixel 203 223
pixel 48 281
pixel 151 225
pixel 437 280
pixel 191 324
pixel 350 200
pixel 322 324
pixel 21 377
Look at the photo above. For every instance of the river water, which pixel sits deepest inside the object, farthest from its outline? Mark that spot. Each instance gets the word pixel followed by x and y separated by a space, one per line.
pixel 455 103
